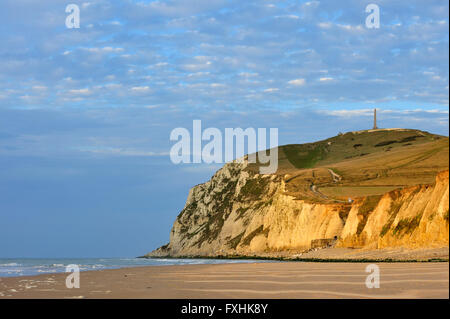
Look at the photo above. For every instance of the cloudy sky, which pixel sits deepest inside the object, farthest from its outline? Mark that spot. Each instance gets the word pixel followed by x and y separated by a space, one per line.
pixel 86 114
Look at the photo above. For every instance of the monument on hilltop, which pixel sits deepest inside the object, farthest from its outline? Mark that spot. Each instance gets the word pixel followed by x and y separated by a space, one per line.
pixel 375 127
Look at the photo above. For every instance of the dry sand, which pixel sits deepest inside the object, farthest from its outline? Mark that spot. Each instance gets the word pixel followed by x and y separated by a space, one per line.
pixel 397 253
pixel 254 280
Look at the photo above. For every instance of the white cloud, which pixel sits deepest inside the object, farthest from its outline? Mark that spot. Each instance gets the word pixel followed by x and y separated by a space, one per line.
pixel 84 91
pixel 140 89
pixel 113 86
pixel 288 16
pixel 351 27
pixel 349 113
pixel 248 74
pixel 236 49
pixel 369 112
pixel 39 88
pixel 159 64
pixel 27 98
pixel 198 74
pixel 324 25
pixel 297 82
pixel 104 50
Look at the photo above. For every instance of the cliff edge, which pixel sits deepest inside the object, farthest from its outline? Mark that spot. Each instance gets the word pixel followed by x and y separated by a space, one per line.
pixel 332 204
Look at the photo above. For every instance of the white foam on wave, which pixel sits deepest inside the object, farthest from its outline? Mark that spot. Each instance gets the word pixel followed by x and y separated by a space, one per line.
pixel 9 271
pixel 162 260
pixel 30 267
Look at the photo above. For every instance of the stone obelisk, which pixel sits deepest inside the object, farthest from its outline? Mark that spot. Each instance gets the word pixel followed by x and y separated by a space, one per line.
pixel 375 119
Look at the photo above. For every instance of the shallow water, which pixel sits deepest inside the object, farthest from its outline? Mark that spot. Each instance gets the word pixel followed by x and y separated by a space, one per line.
pixel 12 267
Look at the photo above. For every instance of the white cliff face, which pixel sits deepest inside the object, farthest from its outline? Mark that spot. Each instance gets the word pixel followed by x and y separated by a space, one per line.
pixel 239 212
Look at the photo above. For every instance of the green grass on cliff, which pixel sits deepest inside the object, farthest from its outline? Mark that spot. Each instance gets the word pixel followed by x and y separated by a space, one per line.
pixel 365 209
pixel 306 155
pixel 351 145
pixel 254 188
pixel 407 225
pixel 368 162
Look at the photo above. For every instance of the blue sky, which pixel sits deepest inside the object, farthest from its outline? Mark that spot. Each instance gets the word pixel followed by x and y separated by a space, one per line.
pixel 86 114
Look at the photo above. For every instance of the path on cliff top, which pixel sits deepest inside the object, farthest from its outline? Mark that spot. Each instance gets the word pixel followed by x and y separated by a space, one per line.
pixel 336 178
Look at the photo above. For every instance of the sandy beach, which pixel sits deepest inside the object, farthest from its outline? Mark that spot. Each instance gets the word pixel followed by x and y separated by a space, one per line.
pixel 252 280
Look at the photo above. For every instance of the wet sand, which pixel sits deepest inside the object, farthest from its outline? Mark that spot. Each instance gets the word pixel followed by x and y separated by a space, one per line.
pixel 254 280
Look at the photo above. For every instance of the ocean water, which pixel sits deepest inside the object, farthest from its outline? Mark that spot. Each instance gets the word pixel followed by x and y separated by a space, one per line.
pixel 12 267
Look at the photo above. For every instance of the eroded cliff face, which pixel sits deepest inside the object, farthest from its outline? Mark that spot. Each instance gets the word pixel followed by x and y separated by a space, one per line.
pixel 412 217
pixel 243 213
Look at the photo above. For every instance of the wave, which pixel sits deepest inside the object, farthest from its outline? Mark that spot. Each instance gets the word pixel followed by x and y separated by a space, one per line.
pixel 30 267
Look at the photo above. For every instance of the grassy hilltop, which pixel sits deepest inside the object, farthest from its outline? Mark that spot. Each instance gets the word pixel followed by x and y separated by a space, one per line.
pixel 361 163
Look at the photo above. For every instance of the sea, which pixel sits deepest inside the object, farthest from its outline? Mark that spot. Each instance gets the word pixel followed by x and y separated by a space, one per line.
pixel 13 267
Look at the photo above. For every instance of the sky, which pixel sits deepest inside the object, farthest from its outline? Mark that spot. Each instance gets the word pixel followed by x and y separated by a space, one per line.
pixel 86 113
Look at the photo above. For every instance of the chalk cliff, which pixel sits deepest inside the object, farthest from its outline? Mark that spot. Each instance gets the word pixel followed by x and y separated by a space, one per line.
pixel 239 212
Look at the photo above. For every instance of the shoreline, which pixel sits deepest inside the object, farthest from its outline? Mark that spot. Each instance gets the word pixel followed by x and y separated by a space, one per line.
pixel 291 280
pixel 250 259
pixel 334 255
pixel 307 260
